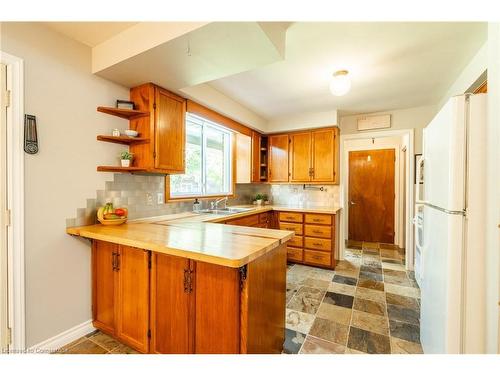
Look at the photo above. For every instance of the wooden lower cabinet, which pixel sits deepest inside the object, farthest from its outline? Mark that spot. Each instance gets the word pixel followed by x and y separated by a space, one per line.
pixel 158 303
pixel 315 240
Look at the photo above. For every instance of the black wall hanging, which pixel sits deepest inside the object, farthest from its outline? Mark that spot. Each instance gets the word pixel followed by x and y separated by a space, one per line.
pixel 30 135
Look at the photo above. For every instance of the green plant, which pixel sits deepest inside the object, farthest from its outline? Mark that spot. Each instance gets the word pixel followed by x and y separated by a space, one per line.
pixel 259 197
pixel 125 155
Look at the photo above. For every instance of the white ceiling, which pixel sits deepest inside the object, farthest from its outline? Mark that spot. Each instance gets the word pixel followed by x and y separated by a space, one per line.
pixel 392 65
pixel 90 33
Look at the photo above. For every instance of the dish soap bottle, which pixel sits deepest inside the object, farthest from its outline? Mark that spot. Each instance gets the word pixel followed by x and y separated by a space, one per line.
pixel 196 205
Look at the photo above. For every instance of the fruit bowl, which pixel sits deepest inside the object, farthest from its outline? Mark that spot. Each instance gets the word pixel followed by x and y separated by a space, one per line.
pixel 113 221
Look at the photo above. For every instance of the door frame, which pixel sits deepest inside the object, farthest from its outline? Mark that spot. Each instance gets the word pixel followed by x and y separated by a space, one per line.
pixel 15 192
pixel 344 187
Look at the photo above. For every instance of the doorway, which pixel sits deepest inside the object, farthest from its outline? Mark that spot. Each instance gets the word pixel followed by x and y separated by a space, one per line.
pixel 371 195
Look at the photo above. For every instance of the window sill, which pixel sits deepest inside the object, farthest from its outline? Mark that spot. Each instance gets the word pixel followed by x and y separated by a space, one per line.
pixel 203 197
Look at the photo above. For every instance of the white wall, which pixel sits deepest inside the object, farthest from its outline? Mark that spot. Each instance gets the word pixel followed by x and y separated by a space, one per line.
pixel 469 75
pixel 63 94
pixel 411 118
pixel 492 192
pixel 302 121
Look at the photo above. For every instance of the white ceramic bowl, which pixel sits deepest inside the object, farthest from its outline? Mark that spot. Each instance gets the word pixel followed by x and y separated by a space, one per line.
pixel 131 133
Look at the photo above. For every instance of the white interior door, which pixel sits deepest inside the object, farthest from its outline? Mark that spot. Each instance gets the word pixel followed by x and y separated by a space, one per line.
pixel 4 319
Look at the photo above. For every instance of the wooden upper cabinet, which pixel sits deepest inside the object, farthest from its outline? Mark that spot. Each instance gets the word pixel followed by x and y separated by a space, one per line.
pixel 256 144
pixel 164 130
pixel 324 155
pixel 243 159
pixel 278 158
pixel 170 131
pixel 300 156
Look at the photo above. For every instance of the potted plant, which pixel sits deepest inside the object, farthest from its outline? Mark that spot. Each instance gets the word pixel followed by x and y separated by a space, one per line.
pixel 126 158
pixel 259 198
pixel 265 198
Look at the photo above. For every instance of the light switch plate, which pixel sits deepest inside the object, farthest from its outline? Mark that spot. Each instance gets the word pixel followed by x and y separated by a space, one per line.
pixel 149 199
pixel 160 198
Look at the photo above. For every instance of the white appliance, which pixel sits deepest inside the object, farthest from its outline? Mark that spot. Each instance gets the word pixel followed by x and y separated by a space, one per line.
pixel 451 239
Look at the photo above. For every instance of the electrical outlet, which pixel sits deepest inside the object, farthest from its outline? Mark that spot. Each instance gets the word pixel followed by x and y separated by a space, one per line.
pixel 159 197
pixel 149 199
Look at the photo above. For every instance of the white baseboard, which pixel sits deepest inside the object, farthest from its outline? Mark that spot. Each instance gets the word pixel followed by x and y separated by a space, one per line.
pixel 64 338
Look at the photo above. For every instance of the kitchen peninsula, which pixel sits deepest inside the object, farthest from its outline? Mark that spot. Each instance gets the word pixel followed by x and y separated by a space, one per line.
pixel 189 287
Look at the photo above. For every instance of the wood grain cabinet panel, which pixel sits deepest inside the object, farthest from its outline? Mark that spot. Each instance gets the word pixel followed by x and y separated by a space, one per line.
pixel 296 241
pixel 256 144
pixel 171 299
pixel 318 219
pixel 300 157
pixel 297 228
pixel 278 158
pixel 246 221
pixel 217 311
pixel 318 243
pixel 322 231
pixel 294 254
pixel 132 304
pixel 103 285
pixel 291 217
pixel 323 155
pixel 170 130
pixel 317 257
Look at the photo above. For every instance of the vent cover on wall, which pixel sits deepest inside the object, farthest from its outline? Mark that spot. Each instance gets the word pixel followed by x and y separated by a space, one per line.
pixel 374 122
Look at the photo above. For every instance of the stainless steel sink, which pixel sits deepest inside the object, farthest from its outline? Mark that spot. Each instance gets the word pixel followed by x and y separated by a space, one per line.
pixel 226 211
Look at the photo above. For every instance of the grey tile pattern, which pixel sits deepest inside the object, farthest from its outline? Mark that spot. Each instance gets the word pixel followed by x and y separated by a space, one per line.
pixel 354 312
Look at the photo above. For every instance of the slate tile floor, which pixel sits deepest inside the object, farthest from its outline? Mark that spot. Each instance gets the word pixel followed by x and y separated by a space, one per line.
pixel 369 304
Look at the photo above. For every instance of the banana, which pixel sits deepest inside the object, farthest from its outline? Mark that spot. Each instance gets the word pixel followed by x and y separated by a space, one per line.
pixel 100 213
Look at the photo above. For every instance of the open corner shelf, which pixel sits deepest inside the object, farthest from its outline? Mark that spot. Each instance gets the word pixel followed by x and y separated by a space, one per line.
pixel 112 168
pixel 123 113
pixel 123 140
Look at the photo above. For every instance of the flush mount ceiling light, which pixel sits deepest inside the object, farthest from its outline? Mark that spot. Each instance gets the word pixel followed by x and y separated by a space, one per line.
pixel 341 83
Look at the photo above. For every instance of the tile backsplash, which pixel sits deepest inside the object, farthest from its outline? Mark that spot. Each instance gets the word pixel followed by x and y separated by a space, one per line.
pixel 296 195
pixel 140 195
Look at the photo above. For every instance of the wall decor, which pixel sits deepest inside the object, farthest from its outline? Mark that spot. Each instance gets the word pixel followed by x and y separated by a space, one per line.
pixel 125 104
pixel 30 135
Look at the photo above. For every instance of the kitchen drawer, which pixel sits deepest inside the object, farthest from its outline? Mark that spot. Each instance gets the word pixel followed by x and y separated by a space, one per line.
pixel 297 228
pixel 296 241
pixel 318 244
pixel 319 219
pixel 294 254
pixel 247 221
pixel 291 217
pixel 318 257
pixel 322 231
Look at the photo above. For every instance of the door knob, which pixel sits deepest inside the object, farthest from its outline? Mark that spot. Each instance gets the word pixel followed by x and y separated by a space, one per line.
pixel 351 202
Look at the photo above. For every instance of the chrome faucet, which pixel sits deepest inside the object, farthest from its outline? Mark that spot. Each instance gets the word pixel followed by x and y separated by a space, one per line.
pixel 213 204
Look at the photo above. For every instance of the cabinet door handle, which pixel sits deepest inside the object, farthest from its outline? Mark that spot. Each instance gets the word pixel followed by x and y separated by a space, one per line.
pixel 118 262
pixel 113 261
pixel 188 285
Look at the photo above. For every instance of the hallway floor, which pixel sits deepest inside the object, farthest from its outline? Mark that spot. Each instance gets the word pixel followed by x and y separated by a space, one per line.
pixel 369 304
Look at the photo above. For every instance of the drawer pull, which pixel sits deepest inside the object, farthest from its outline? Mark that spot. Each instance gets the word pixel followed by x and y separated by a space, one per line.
pixel 317 244
pixel 316 257
pixel 317 231
pixel 317 220
pixel 290 217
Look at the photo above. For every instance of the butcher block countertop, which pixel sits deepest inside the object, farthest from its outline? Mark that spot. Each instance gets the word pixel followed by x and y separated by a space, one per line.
pixel 197 236
pixel 225 245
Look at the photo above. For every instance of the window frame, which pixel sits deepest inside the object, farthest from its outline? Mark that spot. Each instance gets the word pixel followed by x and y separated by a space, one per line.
pixel 232 165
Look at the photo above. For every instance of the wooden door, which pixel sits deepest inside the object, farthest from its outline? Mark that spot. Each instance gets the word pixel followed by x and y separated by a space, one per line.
pixel 170 131
pixel 371 195
pixel 217 312
pixel 132 302
pixel 300 157
pixel 104 255
pixel 171 310
pixel 256 144
pixel 323 155
pixel 278 158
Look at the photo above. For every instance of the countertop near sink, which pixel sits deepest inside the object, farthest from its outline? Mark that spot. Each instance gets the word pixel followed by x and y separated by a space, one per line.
pixel 192 217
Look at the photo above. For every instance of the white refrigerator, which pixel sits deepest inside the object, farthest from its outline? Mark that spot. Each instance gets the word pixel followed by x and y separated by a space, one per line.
pixel 451 269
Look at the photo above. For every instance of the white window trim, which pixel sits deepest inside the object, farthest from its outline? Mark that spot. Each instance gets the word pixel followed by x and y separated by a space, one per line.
pixel 228 161
pixel 15 191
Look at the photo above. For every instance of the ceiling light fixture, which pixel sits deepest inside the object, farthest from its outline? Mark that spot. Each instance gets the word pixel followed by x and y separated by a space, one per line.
pixel 340 83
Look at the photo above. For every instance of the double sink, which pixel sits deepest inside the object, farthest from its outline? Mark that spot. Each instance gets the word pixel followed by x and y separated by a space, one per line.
pixel 226 211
